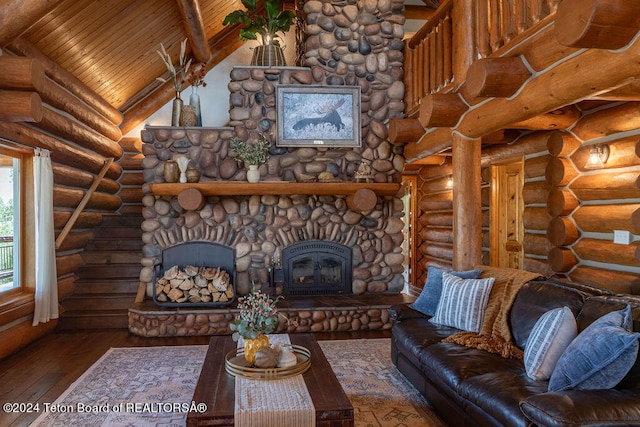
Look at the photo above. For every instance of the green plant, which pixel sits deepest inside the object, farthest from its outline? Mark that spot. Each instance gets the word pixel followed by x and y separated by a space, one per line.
pixel 255 154
pixel 258 315
pixel 266 25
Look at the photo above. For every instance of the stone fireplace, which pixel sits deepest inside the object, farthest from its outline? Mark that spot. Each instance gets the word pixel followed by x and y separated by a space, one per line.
pixel 306 194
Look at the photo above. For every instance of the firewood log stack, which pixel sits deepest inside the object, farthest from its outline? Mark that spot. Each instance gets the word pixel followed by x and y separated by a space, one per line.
pixel 194 284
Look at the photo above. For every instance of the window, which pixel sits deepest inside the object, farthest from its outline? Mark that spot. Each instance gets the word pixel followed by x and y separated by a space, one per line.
pixel 15 227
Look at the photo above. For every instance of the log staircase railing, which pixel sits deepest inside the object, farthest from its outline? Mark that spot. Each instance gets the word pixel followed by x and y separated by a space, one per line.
pixel 429 54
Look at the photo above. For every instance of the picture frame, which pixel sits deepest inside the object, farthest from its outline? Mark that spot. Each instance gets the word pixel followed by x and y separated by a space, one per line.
pixel 318 116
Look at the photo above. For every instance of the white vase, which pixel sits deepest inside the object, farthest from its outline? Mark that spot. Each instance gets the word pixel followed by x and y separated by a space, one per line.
pixel 253 174
pixel 287 358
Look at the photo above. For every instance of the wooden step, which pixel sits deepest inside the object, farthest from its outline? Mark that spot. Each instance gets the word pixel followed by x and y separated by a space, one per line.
pixel 100 319
pixel 117 233
pixel 117 271
pixel 122 221
pixel 111 257
pixel 115 245
pixel 115 286
pixel 99 302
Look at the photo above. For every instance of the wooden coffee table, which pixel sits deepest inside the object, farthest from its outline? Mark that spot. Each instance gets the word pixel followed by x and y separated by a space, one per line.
pixel 216 388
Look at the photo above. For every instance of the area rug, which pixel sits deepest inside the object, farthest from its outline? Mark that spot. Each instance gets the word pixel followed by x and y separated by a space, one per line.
pixel 153 386
pixel 381 396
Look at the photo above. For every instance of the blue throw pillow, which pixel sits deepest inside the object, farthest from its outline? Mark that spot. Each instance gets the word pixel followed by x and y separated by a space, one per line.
pixel 427 301
pixel 463 302
pixel 549 338
pixel 600 356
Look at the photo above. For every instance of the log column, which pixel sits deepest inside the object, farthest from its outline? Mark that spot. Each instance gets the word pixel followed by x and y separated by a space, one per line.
pixel 467 203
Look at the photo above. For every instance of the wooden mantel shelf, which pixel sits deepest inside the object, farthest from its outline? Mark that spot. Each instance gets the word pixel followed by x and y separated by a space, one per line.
pixel 241 188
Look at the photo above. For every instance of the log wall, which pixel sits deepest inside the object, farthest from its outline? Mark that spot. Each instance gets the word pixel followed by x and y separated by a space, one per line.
pixel 81 131
pixel 570 213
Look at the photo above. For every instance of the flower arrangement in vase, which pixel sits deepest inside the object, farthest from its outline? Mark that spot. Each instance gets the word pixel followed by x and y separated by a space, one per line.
pixel 252 155
pixel 177 76
pixel 257 318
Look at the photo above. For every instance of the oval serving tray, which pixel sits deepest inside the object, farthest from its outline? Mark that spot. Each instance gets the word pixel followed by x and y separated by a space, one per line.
pixel 237 365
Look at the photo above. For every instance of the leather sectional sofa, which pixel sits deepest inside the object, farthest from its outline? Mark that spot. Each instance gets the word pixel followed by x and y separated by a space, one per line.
pixel 468 386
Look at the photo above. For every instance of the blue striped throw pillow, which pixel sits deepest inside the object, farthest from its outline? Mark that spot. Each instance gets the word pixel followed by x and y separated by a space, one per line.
pixel 550 336
pixel 463 302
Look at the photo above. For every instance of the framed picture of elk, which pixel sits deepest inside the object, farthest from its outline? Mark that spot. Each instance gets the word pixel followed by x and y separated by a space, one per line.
pixel 318 116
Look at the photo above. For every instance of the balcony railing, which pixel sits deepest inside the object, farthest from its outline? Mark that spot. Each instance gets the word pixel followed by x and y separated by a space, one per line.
pixel 429 55
pixel 6 259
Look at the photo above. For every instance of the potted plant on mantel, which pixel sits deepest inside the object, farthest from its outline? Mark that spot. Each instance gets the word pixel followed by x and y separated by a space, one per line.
pixel 267 26
pixel 252 155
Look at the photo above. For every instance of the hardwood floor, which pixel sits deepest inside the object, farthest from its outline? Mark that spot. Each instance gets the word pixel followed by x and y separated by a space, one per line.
pixel 43 370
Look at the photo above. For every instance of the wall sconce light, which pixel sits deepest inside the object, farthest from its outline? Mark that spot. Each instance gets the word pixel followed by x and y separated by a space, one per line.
pixel 598 156
pixel 450 181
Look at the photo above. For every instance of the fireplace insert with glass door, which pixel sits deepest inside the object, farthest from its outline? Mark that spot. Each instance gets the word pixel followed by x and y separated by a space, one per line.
pixel 316 268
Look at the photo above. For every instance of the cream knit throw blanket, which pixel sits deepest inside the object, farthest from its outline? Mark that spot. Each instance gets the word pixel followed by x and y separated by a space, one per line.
pixel 495 335
pixel 282 402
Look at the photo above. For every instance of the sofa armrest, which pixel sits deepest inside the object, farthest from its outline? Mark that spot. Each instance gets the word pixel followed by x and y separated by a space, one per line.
pixel 403 311
pixel 583 407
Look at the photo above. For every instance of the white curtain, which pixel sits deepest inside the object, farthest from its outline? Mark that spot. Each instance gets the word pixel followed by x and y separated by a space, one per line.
pixel 46 279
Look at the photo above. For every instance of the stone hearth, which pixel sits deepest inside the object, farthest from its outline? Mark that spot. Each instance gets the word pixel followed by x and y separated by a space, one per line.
pixel 313 314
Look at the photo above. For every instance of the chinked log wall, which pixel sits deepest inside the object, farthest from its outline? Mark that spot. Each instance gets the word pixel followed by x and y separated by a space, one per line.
pixel 44 106
pixel 605 197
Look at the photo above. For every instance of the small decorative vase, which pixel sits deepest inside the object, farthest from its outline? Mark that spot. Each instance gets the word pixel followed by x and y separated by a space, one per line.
pixel 193 175
pixel 188 116
pixel 253 174
pixel 171 171
pixel 287 357
pixel 177 111
pixel 251 347
pixel 194 100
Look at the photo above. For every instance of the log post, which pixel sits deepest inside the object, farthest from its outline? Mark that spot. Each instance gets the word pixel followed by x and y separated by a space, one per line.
pixel 362 200
pixel 21 73
pixel 561 202
pixel 19 106
pixel 467 203
pixel 464 41
pixel 561 259
pixel 441 110
pixel 496 77
pixel 601 24
pixel 562 231
pixel 402 131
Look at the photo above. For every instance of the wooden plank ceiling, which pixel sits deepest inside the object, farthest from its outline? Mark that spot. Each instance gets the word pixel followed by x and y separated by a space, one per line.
pixel 110 45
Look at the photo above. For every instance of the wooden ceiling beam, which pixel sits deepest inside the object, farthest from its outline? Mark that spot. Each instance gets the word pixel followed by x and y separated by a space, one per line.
pixel 16 16
pixel 194 27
